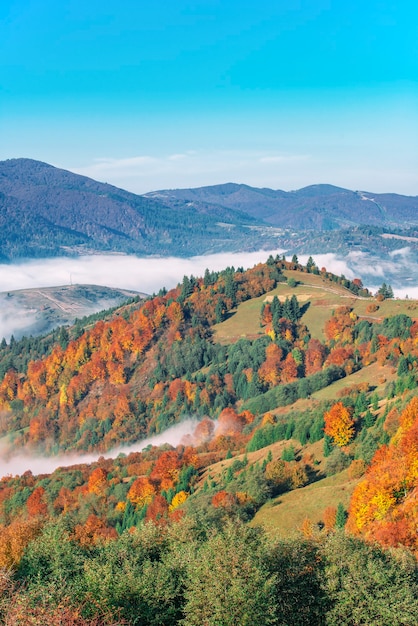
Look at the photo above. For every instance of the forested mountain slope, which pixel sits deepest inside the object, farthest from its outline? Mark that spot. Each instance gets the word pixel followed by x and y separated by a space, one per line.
pixel 46 211
pixel 303 385
pixel 257 339
pixel 142 370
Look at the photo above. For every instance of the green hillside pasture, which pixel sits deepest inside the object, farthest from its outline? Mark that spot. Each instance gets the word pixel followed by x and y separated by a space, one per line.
pixel 243 322
pixel 216 470
pixel 283 516
pixel 323 296
pixel 375 375
pixel 387 308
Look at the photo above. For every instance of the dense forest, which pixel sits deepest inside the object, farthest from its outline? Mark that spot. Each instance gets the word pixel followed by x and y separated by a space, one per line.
pixel 46 212
pixel 315 385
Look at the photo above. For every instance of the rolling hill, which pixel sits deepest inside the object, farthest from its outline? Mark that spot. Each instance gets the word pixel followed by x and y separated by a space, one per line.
pixel 37 311
pixel 305 390
pixel 209 344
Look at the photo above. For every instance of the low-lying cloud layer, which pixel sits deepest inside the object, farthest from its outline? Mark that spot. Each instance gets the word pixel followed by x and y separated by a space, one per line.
pixel 146 275
pixel 19 318
pixel 12 465
pixel 128 272
pixel 399 268
pixel 14 321
pixel 149 275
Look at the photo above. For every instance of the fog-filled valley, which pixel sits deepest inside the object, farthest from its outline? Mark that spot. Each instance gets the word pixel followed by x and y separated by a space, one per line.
pixel 166 418
pixel 11 464
pixel 149 275
pixel 240 416
pixel 208 313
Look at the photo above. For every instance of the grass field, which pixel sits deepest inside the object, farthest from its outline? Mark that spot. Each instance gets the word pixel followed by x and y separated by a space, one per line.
pixel 283 516
pixel 377 376
pixel 245 321
pixel 215 470
pixel 323 297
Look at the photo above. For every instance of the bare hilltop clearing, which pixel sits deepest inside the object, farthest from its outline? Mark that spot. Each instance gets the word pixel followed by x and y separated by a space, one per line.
pixel 37 311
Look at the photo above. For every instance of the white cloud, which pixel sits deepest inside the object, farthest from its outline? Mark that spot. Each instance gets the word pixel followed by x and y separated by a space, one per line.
pixel 332 262
pixel 406 292
pixel 403 252
pixel 150 274
pixel 11 465
pixel 111 170
pixel 146 274
pixel 194 168
pixel 13 319
pixel 283 158
pixel 115 164
pixel 177 157
pixel 374 271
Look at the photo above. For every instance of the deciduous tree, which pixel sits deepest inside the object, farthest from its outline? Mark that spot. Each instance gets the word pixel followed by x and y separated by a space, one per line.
pixel 339 425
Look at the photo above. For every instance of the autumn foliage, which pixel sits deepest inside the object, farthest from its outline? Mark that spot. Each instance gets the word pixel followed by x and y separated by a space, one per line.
pixel 36 504
pixel 141 491
pixel 330 517
pixel 15 537
pixel 150 365
pixel 339 425
pixel 384 505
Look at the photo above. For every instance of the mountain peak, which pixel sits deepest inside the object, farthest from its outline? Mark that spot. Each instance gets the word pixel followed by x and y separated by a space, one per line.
pixel 321 189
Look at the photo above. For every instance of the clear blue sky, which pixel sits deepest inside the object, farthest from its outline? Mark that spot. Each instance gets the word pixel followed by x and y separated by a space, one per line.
pixel 173 93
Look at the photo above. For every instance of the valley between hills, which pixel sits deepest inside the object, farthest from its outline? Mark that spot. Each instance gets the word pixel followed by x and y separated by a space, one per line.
pixel 241 444
pixel 295 477
pixel 208 313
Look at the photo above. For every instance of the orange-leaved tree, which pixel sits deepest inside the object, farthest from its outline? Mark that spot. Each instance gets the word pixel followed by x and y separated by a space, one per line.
pixel 339 424
pixel 384 504
pixel 36 504
pixel 142 491
pixel 166 469
pixel 98 481
pixel 14 539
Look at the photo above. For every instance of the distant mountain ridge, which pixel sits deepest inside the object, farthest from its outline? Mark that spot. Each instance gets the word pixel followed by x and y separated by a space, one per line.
pixel 46 211
pixel 319 207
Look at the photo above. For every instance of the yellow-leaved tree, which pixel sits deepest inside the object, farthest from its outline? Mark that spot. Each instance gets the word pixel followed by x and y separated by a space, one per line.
pixel 339 424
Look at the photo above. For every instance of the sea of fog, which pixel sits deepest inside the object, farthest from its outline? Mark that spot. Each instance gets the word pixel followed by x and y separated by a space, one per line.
pixel 149 275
